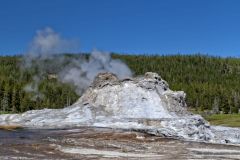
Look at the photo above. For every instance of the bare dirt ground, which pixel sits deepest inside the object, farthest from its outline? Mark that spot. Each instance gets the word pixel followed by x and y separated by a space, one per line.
pixel 102 143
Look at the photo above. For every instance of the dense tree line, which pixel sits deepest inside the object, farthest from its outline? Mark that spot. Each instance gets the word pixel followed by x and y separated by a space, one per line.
pixel 15 98
pixel 211 83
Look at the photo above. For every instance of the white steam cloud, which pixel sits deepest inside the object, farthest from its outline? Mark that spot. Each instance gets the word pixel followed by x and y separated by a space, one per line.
pixel 82 72
pixel 46 44
pixel 79 71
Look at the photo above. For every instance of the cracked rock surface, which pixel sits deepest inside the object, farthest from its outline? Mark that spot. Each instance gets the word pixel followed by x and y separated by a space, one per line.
pixel 144 104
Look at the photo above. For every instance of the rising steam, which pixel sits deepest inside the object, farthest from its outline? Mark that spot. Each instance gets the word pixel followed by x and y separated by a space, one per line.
pixel 82 72
pixel 48 46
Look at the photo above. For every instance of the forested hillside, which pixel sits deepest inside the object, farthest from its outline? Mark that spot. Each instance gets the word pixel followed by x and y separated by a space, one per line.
pixel 211 83
pixel 14 97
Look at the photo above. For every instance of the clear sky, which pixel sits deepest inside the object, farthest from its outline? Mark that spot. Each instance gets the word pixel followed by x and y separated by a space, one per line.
pixel 127 26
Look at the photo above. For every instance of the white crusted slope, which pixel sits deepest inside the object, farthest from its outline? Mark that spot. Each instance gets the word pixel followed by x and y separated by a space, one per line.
pixel 143 103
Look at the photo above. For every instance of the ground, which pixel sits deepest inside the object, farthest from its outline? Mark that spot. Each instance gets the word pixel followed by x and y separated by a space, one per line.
pixel 102 143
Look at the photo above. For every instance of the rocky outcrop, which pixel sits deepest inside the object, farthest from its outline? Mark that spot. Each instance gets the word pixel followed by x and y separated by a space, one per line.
pixel 143 104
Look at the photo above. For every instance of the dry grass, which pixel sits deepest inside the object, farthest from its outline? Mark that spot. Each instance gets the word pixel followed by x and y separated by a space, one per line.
pixel 230 120
pixel 10 127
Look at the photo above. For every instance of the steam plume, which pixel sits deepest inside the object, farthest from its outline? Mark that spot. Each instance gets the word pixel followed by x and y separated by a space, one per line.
pixel 79 71
pixel 82 72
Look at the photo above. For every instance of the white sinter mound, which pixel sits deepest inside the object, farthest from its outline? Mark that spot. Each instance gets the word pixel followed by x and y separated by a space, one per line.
pixel 144 104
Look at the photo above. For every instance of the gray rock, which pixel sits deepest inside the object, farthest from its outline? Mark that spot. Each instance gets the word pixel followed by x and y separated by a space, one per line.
pixel 143 104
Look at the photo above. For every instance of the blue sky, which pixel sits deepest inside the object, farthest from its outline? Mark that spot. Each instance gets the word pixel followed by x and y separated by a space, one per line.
pixel 126 26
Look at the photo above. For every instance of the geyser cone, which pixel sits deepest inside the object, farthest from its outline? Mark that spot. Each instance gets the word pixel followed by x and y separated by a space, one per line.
pixel 143 103
pixel 143 97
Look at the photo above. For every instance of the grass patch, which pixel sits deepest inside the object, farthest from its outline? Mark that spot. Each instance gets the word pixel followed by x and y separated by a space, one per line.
pixel 2 112
pixel 230 120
